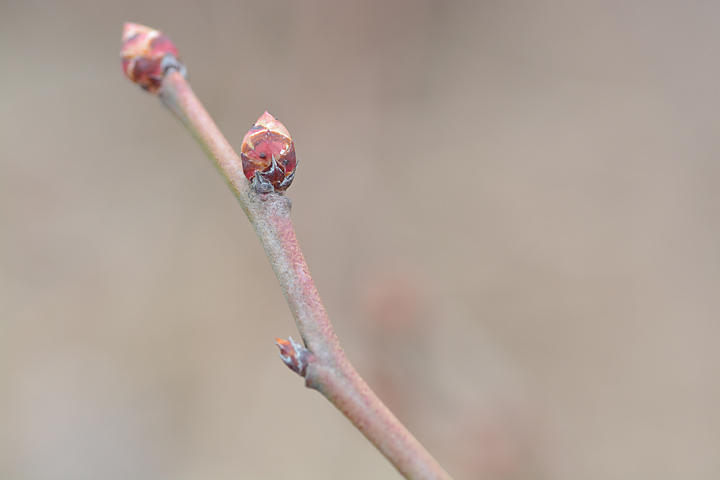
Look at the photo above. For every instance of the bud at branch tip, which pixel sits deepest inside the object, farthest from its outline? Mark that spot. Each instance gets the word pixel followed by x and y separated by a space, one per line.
pixel 147 55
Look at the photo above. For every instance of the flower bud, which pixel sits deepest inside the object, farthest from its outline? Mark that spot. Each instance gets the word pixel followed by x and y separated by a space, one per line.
pixel 268 155
pixel 146 55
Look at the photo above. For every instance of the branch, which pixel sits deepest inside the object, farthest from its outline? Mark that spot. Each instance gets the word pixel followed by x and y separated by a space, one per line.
pixel 152 61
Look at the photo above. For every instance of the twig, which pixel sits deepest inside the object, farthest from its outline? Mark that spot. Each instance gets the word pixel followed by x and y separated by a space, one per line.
pixel 150 59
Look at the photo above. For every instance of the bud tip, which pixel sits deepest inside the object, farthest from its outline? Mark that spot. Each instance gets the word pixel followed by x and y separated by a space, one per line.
pixel 131 29
pixel 271 123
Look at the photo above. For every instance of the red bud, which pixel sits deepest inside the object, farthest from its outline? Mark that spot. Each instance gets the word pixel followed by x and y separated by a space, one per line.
pixel 146 55
pixel 294 355
pixel 268 155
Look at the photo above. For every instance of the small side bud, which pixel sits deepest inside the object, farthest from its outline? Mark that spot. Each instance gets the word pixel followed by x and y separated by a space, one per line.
pixel 147 54
pixel 268 155
pixel 295 356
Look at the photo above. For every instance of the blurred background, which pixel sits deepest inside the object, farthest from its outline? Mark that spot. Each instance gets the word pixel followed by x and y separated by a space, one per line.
pixel 510 209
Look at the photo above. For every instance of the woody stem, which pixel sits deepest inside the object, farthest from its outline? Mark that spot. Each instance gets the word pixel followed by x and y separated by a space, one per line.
pixel 329 371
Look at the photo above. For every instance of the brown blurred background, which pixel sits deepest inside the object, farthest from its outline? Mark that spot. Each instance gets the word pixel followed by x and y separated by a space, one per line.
pixel 510 208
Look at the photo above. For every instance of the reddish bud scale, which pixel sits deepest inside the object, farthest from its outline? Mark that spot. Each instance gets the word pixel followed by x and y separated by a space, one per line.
pixel 268 155
pixel 295 356
pixel 146 54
